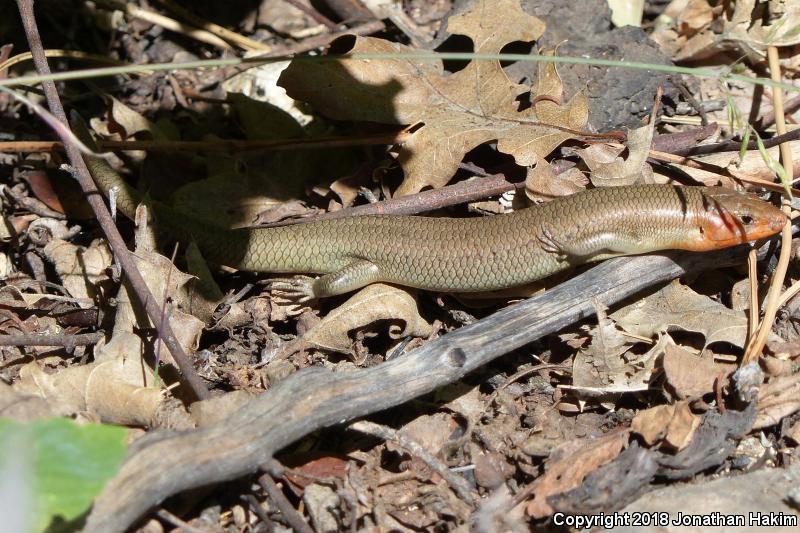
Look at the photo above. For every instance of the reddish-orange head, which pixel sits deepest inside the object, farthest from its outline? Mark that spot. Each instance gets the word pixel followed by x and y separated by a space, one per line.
pixel 732 218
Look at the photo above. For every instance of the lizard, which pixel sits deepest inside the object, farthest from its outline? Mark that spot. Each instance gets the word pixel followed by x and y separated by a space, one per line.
pixel 469 254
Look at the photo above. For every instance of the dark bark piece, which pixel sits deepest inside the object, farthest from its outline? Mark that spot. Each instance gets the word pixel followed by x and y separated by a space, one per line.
pixel 611 486
pixel 315 398
pixel 711 444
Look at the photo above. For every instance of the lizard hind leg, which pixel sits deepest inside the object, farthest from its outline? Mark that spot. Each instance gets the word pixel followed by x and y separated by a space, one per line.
pixel 356 275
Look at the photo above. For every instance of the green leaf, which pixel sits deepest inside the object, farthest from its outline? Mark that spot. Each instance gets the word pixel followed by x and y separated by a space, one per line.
pixel 55 468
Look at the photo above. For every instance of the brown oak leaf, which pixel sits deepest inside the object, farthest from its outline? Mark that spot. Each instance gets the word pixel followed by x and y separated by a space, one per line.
pixel 453 113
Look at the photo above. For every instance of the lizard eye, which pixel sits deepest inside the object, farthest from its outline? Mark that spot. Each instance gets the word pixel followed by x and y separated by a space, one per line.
pixel 747 219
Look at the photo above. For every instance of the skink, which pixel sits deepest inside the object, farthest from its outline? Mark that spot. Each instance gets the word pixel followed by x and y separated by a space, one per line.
pixel 473 254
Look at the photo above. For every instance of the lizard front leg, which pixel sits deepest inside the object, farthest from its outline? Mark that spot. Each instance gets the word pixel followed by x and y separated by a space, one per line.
pixel 590 247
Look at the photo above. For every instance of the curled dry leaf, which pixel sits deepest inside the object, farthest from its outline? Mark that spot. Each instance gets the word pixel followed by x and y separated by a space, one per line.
pixel 542 183
pixel 569 464
pixel 325 467
pixel 778 399
pixel 608 169
pixel 677 307
pixel 127 122
pixel 691 375
pixel 431 432
pixel 673 425
pixel 116 387
pixel 779 28
pixel 455 112
pixel 164 280
pixel 80 268
pixel 261 83
pixel 374 302
pixel 203 295
pixel 22 407
pixel 608 365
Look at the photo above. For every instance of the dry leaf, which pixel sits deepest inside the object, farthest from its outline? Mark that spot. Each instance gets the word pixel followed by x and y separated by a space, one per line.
pixel 682 426
pixel 696 15
pixel 608 365
pixel 612 171
pixel 127 122
pixel 756 31
pixel 491 468
pixel 691 375
pixel 457 112
pixel 673 424
pixel 21 406
pixel 80 268
pixel 777 399
pixel 325 467
pixel 261 83
pixel 569 464
pixel 431 432
pixel 651 423
pixel 203 295
pixel 164 281
pixel 706 28
pixel 541 183
pixel 677 307
pixel 372 303
pixel 116 387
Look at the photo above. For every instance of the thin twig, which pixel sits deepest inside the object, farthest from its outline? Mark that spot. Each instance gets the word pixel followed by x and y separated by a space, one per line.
pixel 456 482
pixel 721 171
pixel 311 43
pixel 246 43
pixel 735 146
pixel 752 275
pixel 166 22
pixel 94 198
pixel 313 13
pixel 690 99
pixel 258 510
pixel 67 341
pixel 465 191
pixel 293 518
pixel 178 523
pixel 768 119
pixel 218 145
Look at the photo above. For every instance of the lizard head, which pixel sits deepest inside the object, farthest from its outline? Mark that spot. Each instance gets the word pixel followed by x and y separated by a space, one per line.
pixel 730 218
